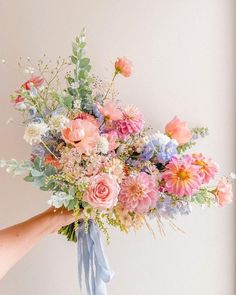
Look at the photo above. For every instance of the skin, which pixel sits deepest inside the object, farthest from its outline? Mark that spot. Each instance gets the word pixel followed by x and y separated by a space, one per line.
pixel 17 240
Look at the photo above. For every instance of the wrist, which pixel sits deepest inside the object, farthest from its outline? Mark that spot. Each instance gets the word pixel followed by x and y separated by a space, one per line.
pixel 51 218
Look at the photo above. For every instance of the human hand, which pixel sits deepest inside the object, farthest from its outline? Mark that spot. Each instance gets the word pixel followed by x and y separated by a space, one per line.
pixel 58 218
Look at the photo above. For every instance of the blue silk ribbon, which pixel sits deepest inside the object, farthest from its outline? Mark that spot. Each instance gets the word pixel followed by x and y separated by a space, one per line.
pixel 92 261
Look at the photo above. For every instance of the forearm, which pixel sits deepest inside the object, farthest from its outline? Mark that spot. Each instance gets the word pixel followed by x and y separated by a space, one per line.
pixel 17 240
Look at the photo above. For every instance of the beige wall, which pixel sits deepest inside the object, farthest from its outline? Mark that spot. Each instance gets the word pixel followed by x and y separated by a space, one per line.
pixel 183 52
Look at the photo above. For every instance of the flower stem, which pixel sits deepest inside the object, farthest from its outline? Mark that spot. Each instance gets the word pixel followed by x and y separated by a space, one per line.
pixel 48 149
pixel 109 89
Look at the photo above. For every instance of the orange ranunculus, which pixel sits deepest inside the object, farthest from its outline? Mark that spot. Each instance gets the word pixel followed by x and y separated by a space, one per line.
pixel 82 134
pixel 50 160
pixel 123 66
pixel 178 130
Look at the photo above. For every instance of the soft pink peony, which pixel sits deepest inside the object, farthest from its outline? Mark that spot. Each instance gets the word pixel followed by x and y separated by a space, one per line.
pixel 139 193
pixel 208 168
pixel 110 110
pixel 35 81
pixel 178 130
pixel 182 177
pixel 132 122
pixel 123 66
pixel 88 117
pixel 82 134
pixel 224 194
pixel 103 191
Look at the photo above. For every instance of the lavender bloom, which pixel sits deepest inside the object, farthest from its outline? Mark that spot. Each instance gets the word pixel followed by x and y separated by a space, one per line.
pixel 97 114
pixel 133 163
pixel 168 208
pixel 38 151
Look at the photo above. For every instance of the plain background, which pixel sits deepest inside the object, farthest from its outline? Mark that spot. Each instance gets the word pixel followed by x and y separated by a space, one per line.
pixel 184 57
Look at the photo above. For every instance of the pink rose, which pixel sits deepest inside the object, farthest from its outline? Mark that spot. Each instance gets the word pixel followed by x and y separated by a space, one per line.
pixel 123 66
pixel 82 134
pixel 103 191
pixel 178 130
pixel 110 110
pixel 224 194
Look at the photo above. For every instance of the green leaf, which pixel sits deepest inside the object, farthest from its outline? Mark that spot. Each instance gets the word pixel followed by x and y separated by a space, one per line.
pixel 72 204
pixel 29 178
pixel 74 59
pixel 50 170
pixel 74 48
pixel 36 173
pixel 68 102
pixel 84 62
pixel 82 45
pixel 44 188
pixel 38 164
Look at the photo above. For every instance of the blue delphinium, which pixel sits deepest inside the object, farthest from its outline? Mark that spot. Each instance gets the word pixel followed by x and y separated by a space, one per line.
pixel 160 149
pixel 168 208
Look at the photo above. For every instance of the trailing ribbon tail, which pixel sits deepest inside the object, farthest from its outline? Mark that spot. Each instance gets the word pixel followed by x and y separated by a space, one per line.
pixel 92 260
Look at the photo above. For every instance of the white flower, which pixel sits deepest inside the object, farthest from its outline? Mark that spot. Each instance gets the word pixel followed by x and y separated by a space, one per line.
pixel 60 199
pixel 21 106
pixel 74 85
pixel 116 168
pixel 34 132
pixel 77 104
pixel 3 61
pixel 58 122
pixel 29 70
pixel 10 120
pixel 162 138
pixel 103 145
pixel 233 176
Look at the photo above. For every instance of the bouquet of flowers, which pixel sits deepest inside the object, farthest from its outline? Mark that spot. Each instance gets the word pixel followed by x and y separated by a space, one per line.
pixel 98 160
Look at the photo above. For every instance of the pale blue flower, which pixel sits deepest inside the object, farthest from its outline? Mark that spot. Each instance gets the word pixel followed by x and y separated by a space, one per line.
pixel 60 199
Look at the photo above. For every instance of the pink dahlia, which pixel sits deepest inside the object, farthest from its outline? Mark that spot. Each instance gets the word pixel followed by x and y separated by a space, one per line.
pixel 224 194
pixel 208 168
pixel 132 122
pixel 139 193
pixel 182 177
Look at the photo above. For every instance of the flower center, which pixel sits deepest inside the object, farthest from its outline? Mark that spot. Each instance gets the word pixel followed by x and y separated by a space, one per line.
pixel 183 174
pixel 136 190
pixel 202 164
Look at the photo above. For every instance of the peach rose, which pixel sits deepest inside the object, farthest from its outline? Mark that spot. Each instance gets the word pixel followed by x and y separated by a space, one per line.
pixel 103 191
pixel 87 117
pixel 110 110
pixel 178 130
pixel 224 194
pixel 82 134
pixel 123 66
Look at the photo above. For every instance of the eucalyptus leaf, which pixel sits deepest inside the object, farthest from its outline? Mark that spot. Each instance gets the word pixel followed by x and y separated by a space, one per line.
pixel 84 62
